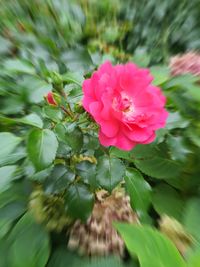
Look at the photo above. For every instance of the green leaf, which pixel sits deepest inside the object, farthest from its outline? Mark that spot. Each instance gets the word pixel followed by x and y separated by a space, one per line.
pixel 194 259
pixel 138 189
pixel 116 152
pixel 141 58
pixel 4 252
pixel 177 148
pixel 63 258
pixel 154 161
pixel 108 261
pixel 191 218
pixel 7 176
pixel 31 119
pixel 8 214
pixel 194 92
pixel 41 175
pixel 60 131
pixel 79 202
pixel 175 120
pixel 35 89
pixel 87 171
pixel 167 200
pixel 73 77
pixel 8 143
pixel 17 193
pixel 78 59
pixel 29 244
pixel 41 147
pixel 161 74
pixel 19 65
pixel 59 179
pixel 110 172
pixel 53 113
pixel 74 139
pixel 151 247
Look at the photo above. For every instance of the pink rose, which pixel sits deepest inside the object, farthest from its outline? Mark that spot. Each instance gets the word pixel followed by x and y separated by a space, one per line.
pixel 127 107
pixel 50 99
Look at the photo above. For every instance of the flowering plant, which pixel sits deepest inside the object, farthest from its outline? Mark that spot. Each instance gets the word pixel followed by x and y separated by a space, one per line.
pixel 97 158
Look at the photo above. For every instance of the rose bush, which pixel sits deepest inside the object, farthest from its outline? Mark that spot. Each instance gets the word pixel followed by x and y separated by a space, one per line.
pixel 125 104
pixel 60 188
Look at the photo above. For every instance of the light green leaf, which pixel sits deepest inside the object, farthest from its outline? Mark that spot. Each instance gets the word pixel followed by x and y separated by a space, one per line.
pixel 53 113
pixel 19 65
pixel 35 89
pixel 161 74
pixel 73 77
pixel 29 244
pixel 191 218
pixel 7 176
pixel 41 147
pixel 177 147
pixel 8 143
pixel 194 259
pixel 8 214
pixel 141 58
pixel 31 119
pixel 175 120
pixel 110 172
pixel 63 258
pixel 151 247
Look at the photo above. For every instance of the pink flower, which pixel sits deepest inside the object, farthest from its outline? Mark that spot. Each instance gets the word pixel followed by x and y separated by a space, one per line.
pixel 50 99
pixel 127 107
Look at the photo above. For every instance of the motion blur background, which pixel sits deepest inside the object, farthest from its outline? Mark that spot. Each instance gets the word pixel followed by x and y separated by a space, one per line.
pixel 44 30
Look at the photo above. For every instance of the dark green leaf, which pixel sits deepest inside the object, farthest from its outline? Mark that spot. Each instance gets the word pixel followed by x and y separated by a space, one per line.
pixel 59 179
pixel 138 189
pixel 87 171
pixel 41 175
pixel 110 172
pixel 79 202
pixel 74 139
pixel 167 200
pixel 154 161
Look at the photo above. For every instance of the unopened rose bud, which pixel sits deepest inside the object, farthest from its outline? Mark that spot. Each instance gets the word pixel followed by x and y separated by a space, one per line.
pixel 50 99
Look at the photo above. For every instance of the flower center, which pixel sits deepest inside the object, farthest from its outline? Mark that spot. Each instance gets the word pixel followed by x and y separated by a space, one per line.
pixel 123 103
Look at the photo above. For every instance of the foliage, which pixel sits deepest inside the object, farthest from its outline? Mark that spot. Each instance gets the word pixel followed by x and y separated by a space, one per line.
pixel 51 162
